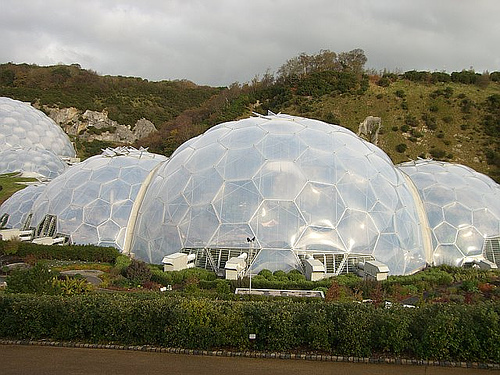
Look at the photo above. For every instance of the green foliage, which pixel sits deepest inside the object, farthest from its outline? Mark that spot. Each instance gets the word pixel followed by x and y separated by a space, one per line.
pixel 465 76
pixel 401 147
pixel 282 280
pixel 121 263
pixel 384 82
pixel 127 99
pixel 70 286
pixel 328 82
pixel 137 272
pixel 71 252
pixel 36 279
pixel 453 332
pixel 437 153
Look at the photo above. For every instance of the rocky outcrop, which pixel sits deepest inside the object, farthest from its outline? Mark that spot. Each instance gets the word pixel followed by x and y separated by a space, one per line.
pixel 369 129
pixel 92 125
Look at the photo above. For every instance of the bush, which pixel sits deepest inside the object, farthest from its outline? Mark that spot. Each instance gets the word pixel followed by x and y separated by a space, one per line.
pixel 438 332
pixel 88 253
pixel 437 153
pixel 37 279
pixel 401 147
pixel 138 272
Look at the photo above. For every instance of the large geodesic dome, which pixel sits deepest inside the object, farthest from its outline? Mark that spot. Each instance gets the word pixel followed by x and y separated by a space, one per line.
pixel 462 206
pixel 23 126
pixel 19 205
pixel 32 161
pixel 281 188
pixel 92 201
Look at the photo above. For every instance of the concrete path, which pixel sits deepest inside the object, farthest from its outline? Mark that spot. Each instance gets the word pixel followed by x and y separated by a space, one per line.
pixel 41 360
pixel 92 276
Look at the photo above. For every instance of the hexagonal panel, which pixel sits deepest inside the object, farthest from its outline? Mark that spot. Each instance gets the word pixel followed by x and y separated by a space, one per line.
pixel 279 180
pixel 240 164
pixel 277 224
pixel 199 225
pixel 242 138
pixel 445 233
pixel 321 205
pixel 320 239
pixel 358 232
pixel 470 241
pixel 281 147
pixel 232 236
pixel 202 187
pixel 237 201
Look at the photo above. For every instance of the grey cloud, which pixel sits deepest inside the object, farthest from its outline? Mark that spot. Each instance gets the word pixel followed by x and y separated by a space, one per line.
pixel 218 42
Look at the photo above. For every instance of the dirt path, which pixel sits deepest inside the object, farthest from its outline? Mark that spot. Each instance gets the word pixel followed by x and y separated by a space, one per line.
pixel 40 360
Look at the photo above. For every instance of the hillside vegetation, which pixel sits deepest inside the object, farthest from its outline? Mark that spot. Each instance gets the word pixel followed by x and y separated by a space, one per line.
pixel 453 117
pixel 126 99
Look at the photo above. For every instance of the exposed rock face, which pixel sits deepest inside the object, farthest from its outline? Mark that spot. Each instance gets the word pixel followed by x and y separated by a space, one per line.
pixel 92 125
pixel 369 129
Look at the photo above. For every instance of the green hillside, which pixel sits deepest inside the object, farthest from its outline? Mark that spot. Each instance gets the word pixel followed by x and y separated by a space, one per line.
pixel 444 121
pixel 453 117
pixel 127 99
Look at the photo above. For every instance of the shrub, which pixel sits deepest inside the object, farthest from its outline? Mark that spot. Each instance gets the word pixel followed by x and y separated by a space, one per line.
pixel 402 147
pixel 437 153
pixel 88 253
pixel 400 93
pixel 37 279
pixel 138 272
pixel 384 82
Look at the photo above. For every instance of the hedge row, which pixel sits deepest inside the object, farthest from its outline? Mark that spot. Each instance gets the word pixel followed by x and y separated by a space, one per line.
pixel 88 253
pixel 439 332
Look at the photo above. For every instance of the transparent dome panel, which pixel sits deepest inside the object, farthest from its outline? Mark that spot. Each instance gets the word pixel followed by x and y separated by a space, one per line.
pixel 274 260
pixel 358 232
pixel 280 180
pixel 320 239
pixel 321 205
pixel 24 126
pixel 241 164
pixel 232 236
pixel 237 201
pixel 277 224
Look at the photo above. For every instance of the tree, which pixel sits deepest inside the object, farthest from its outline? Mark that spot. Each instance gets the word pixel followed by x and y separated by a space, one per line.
pixel 353 61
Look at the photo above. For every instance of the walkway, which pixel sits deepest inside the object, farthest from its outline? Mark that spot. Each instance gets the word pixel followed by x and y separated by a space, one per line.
pixel 41 360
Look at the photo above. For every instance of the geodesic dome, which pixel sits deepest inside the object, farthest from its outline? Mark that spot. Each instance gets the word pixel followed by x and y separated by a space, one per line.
pixel 19 205
pixel 462 206
pixel 23 126
pixel 93 200
pixel 37 162
pixel 298 186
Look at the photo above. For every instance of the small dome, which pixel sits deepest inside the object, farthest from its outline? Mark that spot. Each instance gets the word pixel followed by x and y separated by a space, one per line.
pixel 299 186
pixel 93 199
pixel 39 162
pixel 23 126
pixel 19 205
pixel 462 206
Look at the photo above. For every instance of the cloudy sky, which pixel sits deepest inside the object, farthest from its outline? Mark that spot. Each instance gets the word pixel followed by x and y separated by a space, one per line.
pixel 218 42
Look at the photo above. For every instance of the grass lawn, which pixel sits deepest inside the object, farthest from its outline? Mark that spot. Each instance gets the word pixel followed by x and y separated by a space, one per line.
pixel 9 184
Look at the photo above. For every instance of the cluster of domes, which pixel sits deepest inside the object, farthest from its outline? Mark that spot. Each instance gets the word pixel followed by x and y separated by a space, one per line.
pixel 280 187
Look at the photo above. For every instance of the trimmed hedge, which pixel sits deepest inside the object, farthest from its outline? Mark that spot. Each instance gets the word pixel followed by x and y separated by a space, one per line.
pixel 439 332
pixel 88 253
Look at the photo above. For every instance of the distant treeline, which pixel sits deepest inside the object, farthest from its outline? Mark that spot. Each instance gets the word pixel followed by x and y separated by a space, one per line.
pixel 126 99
